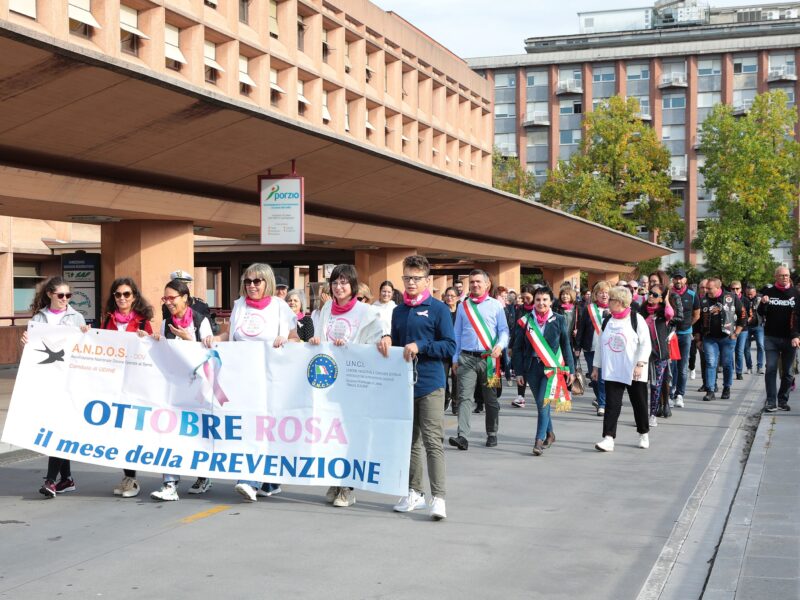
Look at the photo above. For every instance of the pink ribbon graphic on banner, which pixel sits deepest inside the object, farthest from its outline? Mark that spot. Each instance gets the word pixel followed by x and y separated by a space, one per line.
pixel 211 368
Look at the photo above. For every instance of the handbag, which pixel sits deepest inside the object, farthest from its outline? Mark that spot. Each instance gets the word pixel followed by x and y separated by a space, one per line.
pixel 578 387
pixel 674 348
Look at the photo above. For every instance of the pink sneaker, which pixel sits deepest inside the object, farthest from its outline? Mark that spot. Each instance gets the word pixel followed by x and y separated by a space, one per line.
pixel 65 485
pixel 48 490
pixel 519 402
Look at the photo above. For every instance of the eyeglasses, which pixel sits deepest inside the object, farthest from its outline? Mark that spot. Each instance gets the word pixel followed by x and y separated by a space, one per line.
pixel 62 295
pixel 169 299
pixel 256 282
pixel 414 278
pixel 340 283
pixel 119 295
pixel 783 275
pixel 655 295
pixel 737 289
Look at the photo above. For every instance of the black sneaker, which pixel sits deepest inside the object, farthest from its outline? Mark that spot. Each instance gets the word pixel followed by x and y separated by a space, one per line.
pixel 459 442
pixel 770 408
pixel 702 388
pixel 785 407
pixel 709 396
pixel 726 393
pixel 739 377
pixel 491 441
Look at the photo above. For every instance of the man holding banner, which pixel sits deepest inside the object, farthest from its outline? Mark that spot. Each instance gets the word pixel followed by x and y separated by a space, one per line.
pixel 481 332
pixel 422 326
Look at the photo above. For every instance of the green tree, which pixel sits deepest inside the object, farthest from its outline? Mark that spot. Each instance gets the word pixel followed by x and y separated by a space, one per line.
pixel 619 175
pixel 752 164
pixel 510 176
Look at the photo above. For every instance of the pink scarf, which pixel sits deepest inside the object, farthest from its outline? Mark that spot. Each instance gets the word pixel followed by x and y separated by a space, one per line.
pixel 337 309
pixel 56 312
pixel 259 304
pixel 602 305
pixel 568 306
pixel 478 300
pixel 185 320
pixel 541 319
pixel 528 307
pixel 416 300
pixel 651 308
pixel 782 287
pixel 621 314
pixel 300 314
pixel 681 290
pixel 717 295
pixel 120 318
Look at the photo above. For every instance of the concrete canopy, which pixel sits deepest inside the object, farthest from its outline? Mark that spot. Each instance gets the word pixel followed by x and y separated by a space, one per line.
pixel 84 133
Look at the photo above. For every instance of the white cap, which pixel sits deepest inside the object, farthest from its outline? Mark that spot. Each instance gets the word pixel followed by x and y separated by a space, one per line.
pixel 181 274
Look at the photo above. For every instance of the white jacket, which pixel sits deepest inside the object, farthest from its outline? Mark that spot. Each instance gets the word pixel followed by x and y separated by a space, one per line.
pixel 619 348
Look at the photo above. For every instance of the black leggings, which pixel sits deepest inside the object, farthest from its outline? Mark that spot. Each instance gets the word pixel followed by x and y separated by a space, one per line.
pixel 58 466
pixel 637 392
pixel 129 473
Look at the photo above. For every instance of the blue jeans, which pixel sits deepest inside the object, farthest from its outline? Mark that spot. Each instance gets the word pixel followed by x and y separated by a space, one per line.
pixel 538 382
pixel 598 386
pixel 741 345
pixel 680 367
pixel 757 334
pixel 778 349
pixel 719 351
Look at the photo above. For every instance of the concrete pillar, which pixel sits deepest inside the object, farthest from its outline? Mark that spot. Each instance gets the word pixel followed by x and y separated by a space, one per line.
pixel 6 285
pixel 763 71
pixel 147 251
pixel 200 281
pixel 440 284
pixel 522 109
pixel 376 266
pixel 587 87
pixel 655 95
pixel 611 278
pixel 726 64
pixel 621 76
pixel 502 272
pixel 556 277
pixel 690 199
pixel 553 139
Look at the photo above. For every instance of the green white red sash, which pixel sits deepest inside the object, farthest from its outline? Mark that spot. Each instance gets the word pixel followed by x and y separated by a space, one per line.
pixel 486 339
pixel 556 390
pixel 596 317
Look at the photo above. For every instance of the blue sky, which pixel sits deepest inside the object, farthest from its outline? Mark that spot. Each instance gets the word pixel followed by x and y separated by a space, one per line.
pixel 480 28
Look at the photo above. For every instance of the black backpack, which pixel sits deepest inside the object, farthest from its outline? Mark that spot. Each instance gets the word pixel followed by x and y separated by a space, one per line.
pixel 634 320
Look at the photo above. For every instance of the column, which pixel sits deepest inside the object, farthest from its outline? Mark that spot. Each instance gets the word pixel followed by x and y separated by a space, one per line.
pixel 553 139
pixel 621 76
pixel 655 95
pixel 587 87
pixel 147 251
pixel 557 276
pixel 690 200
pixel 522 109
pixel 726 63
pixel 594 277
pixel 377 266
pixel 440 284
pixel 502 272
pixel 762 85
pixel 6 269
pixel 200 275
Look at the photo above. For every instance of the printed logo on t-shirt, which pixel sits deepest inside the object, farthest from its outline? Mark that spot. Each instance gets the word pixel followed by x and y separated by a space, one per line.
pixel 617 342
pixel 341 328
pixel 253 323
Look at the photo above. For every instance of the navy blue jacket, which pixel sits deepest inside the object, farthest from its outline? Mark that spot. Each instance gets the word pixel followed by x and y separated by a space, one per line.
pixel 430 326
pixel 555 334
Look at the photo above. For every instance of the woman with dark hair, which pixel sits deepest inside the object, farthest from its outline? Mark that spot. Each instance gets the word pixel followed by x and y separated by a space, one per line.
pixel 51 305
pixel 660 322
pixel 183 324
pixel 450 298
pixel 126 310
pixel 385 302
pixel 344 320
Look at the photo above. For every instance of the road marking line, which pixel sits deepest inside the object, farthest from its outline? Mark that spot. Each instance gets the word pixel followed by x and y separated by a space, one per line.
pixel 206 513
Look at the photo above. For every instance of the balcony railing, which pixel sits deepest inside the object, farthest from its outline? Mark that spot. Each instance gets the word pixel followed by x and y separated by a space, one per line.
pixel 677 173
pixel 743 107
pixel 669 80
pixel 569 86
pixel 782 73
pixel 539 117
pixel 644 115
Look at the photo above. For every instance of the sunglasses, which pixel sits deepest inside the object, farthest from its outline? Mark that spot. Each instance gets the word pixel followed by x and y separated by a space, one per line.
pixel 119 295
pixel 655 295
pixel 256 282
pixel 360 298
pixel 169 299
pixel 737 289
pixel 62 295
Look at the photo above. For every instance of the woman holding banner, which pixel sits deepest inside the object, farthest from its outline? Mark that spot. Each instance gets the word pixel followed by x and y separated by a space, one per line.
pixel 542 355
pixel 188 325
pixel 51 305
pixel 259 316
pixel 126 310
pixel 344 320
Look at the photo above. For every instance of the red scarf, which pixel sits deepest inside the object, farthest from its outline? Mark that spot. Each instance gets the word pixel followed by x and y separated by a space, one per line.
pixel 780 286
pixel 337 309
pixel 120 318
pixel 621 314
pixel 185 320
pixel 528 307
pixel 651 308
pixel 479 299
pixel 541 319
pixel 416 300
pixel 603 306
pixel 259 304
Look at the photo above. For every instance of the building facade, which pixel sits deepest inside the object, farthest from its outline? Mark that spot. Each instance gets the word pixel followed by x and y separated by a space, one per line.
pixel 678 59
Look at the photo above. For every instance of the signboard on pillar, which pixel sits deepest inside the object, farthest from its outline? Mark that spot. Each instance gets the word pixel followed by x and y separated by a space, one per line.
pixel 281 198
pixel 82 272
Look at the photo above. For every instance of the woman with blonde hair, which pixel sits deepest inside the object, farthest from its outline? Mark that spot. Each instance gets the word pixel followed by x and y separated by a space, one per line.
pixel 364 294
pixel 590 321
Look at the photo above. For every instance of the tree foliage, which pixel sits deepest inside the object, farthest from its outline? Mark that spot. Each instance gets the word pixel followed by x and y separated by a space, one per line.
pixel 509 175
pixel 753 165
pixel 619 175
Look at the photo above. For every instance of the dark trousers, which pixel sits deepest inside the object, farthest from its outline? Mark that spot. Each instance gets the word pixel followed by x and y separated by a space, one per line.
pixel 779 351
pixel 637 392
pixel 58 466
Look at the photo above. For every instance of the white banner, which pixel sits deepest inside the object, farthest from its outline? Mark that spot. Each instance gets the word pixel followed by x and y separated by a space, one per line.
pixel 302 414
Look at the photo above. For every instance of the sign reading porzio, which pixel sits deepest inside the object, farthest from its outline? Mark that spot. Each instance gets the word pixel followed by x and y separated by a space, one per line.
pixel 282 209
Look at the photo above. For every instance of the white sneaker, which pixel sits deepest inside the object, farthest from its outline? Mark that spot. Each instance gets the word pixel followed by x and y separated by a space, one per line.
pixel 519 402
pixel 601 412
pixel 413 501
pixel 272 489
pixel 128 488
pixel 750 371
pixel 644 441
pixel 346 497
pixel 200 486
pixel 437 509
pixel 331 494
pixel 671 403
pixel 653 421
pixel 167 493
pixel 693 374
pixel 247 491
pixel 679 401
pixel 606 444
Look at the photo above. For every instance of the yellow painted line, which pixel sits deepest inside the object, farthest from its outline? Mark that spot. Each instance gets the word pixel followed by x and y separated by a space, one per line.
pixel 206 513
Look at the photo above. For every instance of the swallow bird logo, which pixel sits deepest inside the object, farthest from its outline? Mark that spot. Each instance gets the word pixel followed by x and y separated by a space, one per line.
pixel 52 357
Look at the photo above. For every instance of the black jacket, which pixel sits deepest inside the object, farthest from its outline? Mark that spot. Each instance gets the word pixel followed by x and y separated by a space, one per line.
pixel 555 334
pixel 781 318
pixel 660 344
pixel 585 336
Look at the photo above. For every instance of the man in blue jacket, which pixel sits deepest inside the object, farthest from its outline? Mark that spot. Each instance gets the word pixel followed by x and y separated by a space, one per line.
pixel 423 328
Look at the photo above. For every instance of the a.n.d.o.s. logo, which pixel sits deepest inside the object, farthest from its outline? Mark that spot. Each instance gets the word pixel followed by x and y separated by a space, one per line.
pixel 322 371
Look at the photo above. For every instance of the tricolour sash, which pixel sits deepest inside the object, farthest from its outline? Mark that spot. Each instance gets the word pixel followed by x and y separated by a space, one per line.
pixel 486 339
pixel 596 317
pixel 556 390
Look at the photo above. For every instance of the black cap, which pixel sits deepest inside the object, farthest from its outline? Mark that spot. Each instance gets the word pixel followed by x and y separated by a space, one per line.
pixel 679 273
pixel 281 282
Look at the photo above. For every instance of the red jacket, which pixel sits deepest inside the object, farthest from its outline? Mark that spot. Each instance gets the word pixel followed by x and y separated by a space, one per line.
pixel 136 323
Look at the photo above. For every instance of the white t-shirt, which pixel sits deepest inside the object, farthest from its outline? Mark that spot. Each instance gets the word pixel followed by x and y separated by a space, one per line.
pixel 385 310
pixel 619 348
pixel 53 318
pixel 362 324
pixel 205 329
pixel 261 324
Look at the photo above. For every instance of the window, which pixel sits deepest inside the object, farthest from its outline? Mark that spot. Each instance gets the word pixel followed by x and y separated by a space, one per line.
pixel 506 143
pixel 244 11
pixel 745 64
pixel 23 7
pixel 777 61
pixel 26 277
pixel 537 110
pixel 81 21
pixel 212 67
pixel 644 104
pixel 538 138
pixel 570 107
pixel 275 90
pixel 599 103
pixel 326 114
pixel 172 50
pixel 600 74
pixel 302 101
pixel 570 137
pixel 129 34
pixel 346 116
pixel 246 83
pixel 673 101
pixel 273 18
pixel 708 99
pixel 673 132
pixel 502 80
pixel 570 73
pixel 505 110
pixel 537 78
pixel 709 67
pixel 638 72
pixel 347 64
pixel 301 33
pixel 210 3
pixel 369 72
pixel 325 48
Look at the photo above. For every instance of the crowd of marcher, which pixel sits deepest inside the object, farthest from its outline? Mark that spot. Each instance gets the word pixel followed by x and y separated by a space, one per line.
pixel 642 337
